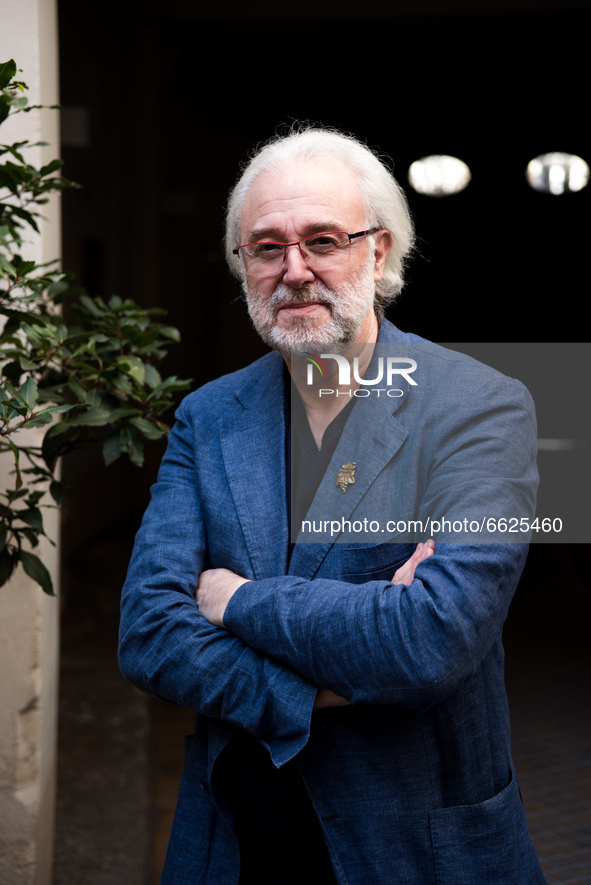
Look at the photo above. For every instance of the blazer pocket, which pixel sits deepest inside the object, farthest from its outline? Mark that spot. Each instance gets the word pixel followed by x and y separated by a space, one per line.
pixel 488 842
pixel 374 562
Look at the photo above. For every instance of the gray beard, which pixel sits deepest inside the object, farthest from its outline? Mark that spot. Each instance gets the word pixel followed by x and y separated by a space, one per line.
pixel 348 308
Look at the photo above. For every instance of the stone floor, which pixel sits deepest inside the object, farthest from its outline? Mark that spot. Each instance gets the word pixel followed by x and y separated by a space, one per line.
pixel 120 753
pixel 551 726
pixel 105 781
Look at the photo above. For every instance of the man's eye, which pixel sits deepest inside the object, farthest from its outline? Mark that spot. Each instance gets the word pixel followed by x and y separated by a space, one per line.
pixel 322 244
pixel 267 250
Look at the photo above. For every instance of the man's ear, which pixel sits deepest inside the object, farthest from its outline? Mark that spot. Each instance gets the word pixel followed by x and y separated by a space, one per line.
pixel 384 242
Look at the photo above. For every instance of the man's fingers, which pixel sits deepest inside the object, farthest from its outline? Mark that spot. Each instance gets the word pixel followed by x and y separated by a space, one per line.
pixel 406 573
pixel 423 551
pixel 427 549
pixel 327 698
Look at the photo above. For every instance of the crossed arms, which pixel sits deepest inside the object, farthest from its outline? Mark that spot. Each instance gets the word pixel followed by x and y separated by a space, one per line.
pixel 217 586
pixel 379 642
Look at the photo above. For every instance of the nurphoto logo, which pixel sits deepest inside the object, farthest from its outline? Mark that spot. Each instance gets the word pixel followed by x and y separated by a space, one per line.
pixel 385 367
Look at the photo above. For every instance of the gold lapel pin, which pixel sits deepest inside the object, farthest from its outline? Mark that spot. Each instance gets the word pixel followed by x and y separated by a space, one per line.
pixel 346 476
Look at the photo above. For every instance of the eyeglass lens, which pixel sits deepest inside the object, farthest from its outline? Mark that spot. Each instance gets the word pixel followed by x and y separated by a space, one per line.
pixel 320 250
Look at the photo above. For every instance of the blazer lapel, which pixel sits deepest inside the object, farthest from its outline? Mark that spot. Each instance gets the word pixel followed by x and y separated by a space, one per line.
pixel 253 446
pixel 371 438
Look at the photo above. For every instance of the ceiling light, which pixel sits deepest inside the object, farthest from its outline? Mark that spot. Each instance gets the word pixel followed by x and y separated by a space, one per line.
pixel 439 175
pixel 557 173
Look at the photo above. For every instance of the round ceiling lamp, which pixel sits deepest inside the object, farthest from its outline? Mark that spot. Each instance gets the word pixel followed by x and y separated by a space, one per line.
pixel 439 175
pixel 557 173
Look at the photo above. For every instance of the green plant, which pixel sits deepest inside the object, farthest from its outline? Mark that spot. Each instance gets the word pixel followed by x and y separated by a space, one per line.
pixel 81 367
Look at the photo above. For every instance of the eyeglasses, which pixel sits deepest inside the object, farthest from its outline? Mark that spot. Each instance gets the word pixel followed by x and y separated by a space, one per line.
pixel 319 251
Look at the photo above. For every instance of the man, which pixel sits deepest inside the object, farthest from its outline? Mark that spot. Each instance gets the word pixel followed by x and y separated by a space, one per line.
pixel 353 724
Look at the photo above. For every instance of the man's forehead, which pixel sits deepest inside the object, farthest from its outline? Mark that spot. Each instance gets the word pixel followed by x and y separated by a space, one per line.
pixel 305 227
pixel 320 194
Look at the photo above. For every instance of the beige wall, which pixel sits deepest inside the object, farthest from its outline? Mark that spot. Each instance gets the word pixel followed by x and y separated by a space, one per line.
pixel 29 620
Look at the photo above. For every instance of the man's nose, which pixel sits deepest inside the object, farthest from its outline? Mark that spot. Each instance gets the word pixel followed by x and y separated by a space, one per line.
pixel 296 272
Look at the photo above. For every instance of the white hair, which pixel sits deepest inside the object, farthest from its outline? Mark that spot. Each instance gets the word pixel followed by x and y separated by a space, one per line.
pixel 384 201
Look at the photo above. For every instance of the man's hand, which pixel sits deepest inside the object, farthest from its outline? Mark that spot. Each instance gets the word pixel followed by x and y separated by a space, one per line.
pixel 214 591
pixel 406 573
pixel 327 698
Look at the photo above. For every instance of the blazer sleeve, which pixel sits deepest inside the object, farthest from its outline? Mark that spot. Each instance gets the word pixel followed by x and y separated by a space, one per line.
pixel 170 650
pixel 381 643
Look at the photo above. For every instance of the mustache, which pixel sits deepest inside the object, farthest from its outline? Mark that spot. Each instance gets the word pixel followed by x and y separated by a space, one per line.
pixel 316 292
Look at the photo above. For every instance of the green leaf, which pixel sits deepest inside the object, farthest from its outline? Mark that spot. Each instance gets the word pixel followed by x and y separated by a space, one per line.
pixel 153 377
pixel 8 180
pixel 92 305
pixel 132 444
pixel 7 267
pixel 37 571
pixel 24 267
pixel 32 517
pixel 40 419
pixel 137 370
pixel 111 449
pixel 10 409
pixel 7 564
pixel 91 418
pixel 53 166
pixel 19 173
pixel 123 412
pixel 7 72
pixel 12 391
pixel 149 430
pixel 168 386
pixel 16 452
pixel 42 475
pixel 20 316
pixel 93 398
pixel 26 216
pixel 59 410
pixel 7 413
pixel 77 389
pixel 57 289
pixel 34 498
pixel 170 332
pixel 39 334
pixel 14 495
pixel 29 392
pixel 124 385
pixel 12 149
pixel 53 442
pixel 57 490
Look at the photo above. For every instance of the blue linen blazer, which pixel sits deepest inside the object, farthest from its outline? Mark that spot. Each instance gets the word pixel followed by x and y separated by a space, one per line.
pixel 413 783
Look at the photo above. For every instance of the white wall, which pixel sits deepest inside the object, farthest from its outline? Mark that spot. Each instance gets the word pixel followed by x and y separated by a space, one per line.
pixel 29 620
